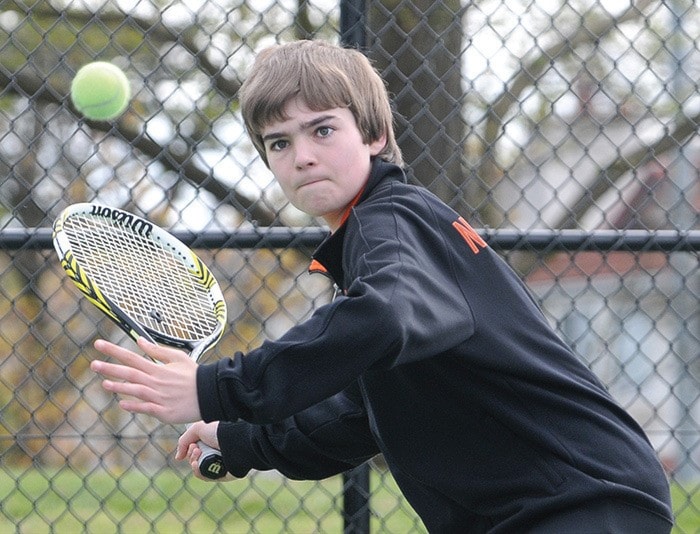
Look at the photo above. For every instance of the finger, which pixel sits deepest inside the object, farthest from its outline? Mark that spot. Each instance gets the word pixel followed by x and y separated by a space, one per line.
pixel 194 453
pixel 118 372
pixel 122 355
pixel 131 389
pixel 156 353
pixel 184 443
pixel 194 464
pixel 140 407
pixel 159 352
pixel 143 400
pixel 195 470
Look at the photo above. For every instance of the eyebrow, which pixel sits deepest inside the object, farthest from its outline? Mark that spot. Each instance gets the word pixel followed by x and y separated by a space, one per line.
pixel 303 126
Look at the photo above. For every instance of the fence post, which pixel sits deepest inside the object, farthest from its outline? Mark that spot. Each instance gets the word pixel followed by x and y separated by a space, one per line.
pixel 356 500
pixel 353 33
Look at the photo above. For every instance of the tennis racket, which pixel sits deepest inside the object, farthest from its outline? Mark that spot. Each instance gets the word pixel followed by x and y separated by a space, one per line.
pixel 146 281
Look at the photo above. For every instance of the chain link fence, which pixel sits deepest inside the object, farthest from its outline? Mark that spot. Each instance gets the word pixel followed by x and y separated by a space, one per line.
pixel 566 130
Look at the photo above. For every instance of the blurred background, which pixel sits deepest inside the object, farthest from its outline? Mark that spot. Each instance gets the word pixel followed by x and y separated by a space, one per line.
pixel 565 131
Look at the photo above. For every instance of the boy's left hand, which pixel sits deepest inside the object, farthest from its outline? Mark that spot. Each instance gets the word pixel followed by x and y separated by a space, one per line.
pixel 188 446
pixel 165 390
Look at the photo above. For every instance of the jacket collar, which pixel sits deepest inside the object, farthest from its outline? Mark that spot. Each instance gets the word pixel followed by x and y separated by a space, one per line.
pixel 328 257
pixel 381 170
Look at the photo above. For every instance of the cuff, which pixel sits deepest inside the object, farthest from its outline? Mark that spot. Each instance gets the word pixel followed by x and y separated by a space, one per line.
pixel 210 407
pixel 235 443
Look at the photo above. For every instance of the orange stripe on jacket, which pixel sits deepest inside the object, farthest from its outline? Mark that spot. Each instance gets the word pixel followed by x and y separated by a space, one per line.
pixel 317 267
pixel 347 211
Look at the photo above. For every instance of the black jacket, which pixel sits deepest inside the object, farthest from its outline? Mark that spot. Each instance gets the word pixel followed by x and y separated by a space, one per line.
pixel 437 356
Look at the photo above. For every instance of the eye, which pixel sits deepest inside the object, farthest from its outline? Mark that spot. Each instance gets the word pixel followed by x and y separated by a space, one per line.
pixel 276 146
pixel 324 131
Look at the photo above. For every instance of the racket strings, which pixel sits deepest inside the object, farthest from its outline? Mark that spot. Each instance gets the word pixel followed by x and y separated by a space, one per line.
pixel 147 280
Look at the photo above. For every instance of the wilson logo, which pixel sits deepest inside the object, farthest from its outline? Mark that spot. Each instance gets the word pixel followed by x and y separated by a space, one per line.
pixel 137 225
pixel 215 468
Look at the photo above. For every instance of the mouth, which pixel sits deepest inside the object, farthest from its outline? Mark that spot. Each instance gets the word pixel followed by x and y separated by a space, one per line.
pixel 309 182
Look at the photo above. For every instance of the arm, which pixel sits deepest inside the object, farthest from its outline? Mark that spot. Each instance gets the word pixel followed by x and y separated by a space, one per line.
pixel 328 438
pixel 402 304
pixel 311 362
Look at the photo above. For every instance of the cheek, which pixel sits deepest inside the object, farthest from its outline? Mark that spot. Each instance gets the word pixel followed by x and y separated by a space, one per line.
pixel 279 174
pixel 356 163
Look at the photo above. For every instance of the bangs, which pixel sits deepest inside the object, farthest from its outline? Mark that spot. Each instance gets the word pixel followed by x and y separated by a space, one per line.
pixel 322 76
pixel 319 87
pixel 337 90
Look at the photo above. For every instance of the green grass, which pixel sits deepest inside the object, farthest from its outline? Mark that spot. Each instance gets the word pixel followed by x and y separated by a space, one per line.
pixel 686 508
pixel 36 501
pixel 101 502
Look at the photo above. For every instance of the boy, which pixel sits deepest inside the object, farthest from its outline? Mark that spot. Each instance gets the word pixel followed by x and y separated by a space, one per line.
pixel 433 354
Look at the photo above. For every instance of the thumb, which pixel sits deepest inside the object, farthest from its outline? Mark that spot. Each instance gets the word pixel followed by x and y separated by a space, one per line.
pixel 187 438
pixel 199 431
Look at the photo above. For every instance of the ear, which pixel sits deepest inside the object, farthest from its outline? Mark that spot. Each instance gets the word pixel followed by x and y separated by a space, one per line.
pixel 375 147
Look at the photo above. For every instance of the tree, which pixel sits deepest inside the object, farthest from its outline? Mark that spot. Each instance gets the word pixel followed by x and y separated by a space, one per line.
pixel 171 152
pixel 483 92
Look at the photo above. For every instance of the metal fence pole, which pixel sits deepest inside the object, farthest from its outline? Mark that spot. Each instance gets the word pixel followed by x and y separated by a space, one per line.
pixel 542 240
pixel 356 482
pixel 352 23
pixel 356 500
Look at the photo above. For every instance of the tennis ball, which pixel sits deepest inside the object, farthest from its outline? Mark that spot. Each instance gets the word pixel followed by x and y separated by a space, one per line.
pixel 100 91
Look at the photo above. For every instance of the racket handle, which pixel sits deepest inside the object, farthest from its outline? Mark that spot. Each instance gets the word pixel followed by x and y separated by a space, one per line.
pixel 211 464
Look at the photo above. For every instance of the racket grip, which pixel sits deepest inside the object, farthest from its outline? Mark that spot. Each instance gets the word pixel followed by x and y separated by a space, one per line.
pixel 211 464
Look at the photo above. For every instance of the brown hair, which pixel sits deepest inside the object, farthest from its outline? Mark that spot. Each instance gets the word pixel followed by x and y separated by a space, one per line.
pixel 323 76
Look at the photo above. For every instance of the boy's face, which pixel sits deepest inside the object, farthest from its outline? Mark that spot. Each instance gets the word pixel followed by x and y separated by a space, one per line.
pixel 319 159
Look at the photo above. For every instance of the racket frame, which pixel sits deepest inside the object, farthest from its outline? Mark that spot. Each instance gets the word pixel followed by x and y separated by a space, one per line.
pixel 210 462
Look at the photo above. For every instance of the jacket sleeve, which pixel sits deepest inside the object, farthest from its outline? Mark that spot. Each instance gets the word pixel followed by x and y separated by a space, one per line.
pixel 401 305
pixel 311 362
pixel 326 439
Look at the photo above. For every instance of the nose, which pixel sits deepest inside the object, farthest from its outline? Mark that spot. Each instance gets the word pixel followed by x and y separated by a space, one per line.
pixel 304 155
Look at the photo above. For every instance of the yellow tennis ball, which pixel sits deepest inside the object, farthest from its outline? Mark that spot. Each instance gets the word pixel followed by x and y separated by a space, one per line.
pixel 100 91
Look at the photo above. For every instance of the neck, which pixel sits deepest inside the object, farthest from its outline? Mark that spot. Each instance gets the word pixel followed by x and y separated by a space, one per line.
pixel 337 222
